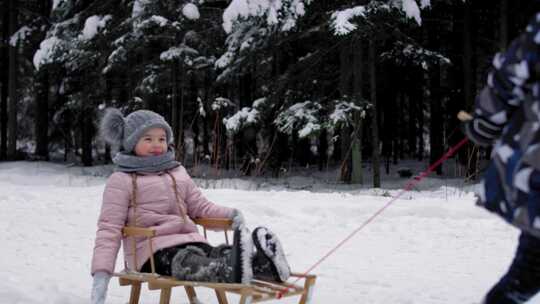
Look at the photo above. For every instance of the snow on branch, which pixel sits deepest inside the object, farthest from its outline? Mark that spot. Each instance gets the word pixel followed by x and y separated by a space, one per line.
pixel 303 116
pixel 139 8
pixel 148 84
pixel 153 21
pixel 411 54
pixel 411 10
pixel 118 56
pixel 57 3
pixel 19 35
pixel 221 103
pixel 200 106
pixel 245 117
pixel 282 12
pixel 243 39
pixel 343 112
pixel 191 11
pixel 177 53
pixel 92 25
pixel 341 20
pixel 46 50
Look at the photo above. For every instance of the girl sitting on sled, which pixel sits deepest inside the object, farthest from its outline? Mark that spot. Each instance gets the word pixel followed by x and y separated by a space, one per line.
pixel 150 189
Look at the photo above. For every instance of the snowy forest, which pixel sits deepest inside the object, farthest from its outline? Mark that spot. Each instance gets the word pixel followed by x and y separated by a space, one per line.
pixel 253 86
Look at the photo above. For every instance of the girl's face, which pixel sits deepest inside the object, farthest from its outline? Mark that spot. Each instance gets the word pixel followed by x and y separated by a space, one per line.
pixel 153 142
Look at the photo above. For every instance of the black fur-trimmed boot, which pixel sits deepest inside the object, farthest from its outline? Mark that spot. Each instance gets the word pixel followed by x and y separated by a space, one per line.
pixel 241 255
pixel 269 262
pixel 223 264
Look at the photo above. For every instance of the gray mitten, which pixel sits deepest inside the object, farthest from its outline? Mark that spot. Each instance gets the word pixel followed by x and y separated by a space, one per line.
pixel 99 287
pixel 238 219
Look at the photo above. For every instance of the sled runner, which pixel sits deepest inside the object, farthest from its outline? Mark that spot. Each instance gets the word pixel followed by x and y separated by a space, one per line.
pixel 256 291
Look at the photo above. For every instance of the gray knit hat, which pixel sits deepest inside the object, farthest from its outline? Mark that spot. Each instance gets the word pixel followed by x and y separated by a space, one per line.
pixel 126 131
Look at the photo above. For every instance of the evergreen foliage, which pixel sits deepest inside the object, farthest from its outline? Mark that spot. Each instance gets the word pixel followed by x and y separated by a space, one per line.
pixel 263 85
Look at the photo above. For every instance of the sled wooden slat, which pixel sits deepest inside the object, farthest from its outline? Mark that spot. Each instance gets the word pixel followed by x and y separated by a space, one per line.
pixel 221 296
pixel 165 281
pixel 165 296
pixel 190 292
pixel 277 286
pixel 255 292
pixel 214 223
pixel 135 293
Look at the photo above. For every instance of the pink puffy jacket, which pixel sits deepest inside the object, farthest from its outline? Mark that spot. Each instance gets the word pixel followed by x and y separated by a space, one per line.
pixel 157 208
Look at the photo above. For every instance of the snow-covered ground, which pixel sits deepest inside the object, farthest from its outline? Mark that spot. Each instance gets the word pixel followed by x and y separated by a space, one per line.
pixel 431 246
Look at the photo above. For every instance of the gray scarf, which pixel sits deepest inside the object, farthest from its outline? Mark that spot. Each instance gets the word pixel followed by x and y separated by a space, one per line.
pixel 126 162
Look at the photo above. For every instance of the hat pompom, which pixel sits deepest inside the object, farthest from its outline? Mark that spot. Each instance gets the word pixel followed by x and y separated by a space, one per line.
pixel 112 126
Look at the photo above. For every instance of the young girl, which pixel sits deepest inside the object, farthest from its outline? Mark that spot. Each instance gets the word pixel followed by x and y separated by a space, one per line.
pixel 151 189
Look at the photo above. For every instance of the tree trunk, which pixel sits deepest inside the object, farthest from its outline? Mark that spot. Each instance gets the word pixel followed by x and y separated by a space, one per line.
pixel 436 119
pixel 177 118
pixel 42 115
pixel 387 97
pixel 4 74
pixel 357 176
pixel 218 152
pixel 180 129
pixel 420 130
pixel 435 99
pixel 107 100
pixel 344 91
pixel 66 126
pixel 397 143
pixel 455 80
pixel 375 157
pixel 196 131
pixel 469 73
pixel 41 127
pixel 412 128
pixel 12 87
pixel 248 144
pixel 469 66
pixel 323 148
pixel 86 137
pixel 356 150
pixel 503 25
pixel 207 103
pixel 174 102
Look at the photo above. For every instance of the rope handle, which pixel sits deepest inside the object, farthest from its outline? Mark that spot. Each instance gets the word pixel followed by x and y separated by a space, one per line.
pixel 412 182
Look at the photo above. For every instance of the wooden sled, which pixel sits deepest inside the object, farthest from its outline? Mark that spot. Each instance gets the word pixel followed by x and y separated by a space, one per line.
pixel 256 291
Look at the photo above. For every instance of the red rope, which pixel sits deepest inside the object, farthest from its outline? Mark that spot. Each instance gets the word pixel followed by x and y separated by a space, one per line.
pixel 412 182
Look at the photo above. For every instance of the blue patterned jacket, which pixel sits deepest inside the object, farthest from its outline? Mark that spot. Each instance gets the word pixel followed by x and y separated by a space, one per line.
pixel 507 115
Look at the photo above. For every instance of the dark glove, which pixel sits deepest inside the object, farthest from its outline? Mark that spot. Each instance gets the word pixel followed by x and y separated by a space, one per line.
pixel 481 131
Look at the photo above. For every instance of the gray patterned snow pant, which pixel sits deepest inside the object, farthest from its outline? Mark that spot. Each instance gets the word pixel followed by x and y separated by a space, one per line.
pixel 193 262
